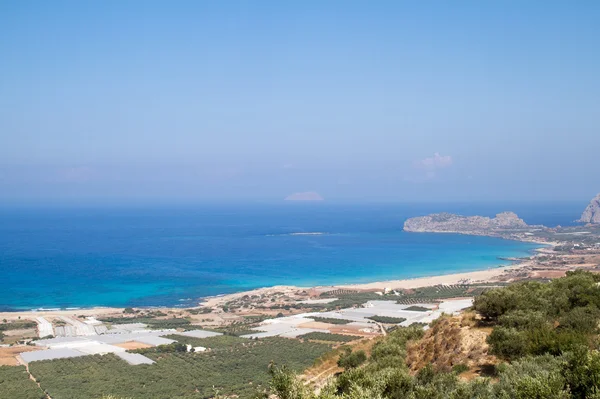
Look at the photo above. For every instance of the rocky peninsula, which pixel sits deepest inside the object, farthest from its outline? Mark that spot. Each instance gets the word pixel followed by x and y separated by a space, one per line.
pixel 591 214
pixel 476 225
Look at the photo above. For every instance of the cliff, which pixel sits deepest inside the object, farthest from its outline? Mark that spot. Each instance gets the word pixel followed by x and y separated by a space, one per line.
pixel 450 223
pixel 592 212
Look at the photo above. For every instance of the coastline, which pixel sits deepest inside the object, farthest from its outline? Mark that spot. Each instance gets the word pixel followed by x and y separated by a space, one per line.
pixel 473 277
pixel 476 276
pixel 489 274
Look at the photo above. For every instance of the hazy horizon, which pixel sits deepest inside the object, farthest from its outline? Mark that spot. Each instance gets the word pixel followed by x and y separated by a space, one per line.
pixel 131 102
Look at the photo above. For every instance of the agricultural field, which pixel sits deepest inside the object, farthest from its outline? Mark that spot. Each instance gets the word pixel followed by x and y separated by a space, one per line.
pixel 218 343
pixel 15 384
pixel 243 326
pixel 22 328
pixel 321 336
pixel 387 319
pixel 157 324
pixel 439 292
pixel 233 366
pixel 331 320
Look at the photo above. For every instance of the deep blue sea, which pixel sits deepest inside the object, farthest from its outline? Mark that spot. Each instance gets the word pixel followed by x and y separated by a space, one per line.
pixel 173 256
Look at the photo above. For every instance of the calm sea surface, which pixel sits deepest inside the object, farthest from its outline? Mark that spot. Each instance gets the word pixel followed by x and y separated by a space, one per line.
pixel 172 256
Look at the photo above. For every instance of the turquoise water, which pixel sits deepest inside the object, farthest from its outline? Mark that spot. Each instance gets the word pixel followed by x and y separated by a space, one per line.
pixel 174 256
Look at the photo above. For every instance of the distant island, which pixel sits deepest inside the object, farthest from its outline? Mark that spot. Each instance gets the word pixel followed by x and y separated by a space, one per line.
pixel 591 214
pixel 305 196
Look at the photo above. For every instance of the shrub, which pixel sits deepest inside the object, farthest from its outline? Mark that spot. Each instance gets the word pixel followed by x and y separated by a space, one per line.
pixel 460 368
pixel 584 319
pixel 387 319
pixel 349 359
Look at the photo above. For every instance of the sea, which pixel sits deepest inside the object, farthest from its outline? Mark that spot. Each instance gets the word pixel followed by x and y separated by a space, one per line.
pixel 158 255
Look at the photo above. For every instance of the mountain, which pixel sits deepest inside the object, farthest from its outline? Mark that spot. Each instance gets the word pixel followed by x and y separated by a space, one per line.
pixel 592 212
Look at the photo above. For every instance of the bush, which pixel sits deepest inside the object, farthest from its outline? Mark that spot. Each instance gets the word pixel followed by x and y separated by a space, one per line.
pixel 583 319
pixel 522 319
pixel 387 319
pixel 349 359
pixel 535 318
pixel 460 368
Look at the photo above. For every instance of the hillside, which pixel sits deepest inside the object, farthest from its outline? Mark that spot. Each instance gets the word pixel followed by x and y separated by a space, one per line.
pixel 541 341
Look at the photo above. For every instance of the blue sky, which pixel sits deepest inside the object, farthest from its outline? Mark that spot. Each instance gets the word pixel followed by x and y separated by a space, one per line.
pixel 385 100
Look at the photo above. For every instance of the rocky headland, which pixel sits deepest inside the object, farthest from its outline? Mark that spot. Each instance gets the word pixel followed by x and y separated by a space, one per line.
pixel 591 214
pixel 451 223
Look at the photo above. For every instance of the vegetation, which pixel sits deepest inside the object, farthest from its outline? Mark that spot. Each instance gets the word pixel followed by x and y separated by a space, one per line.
pixel 233 366
pixel 546 333
pixel 439 292
pixel 244 326
pixel 387 319
pixel 168 348
pixel 158 324
pixel 415 308
pixel 18 325
pixel 330 320
pixel 196 311
pixel 533 318
pixel 348 299
pixel 349 359
pixel 15 384
pixel 320 336
pixel 220 342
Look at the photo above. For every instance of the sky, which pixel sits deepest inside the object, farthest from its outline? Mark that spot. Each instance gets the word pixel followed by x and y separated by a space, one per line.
pixel 255 100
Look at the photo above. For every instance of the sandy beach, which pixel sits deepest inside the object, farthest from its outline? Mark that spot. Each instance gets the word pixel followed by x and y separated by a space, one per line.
pixel 479 276
pixel 473 277
pixel 59 312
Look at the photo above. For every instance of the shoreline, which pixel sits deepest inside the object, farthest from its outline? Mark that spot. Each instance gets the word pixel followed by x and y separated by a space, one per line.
pixel 452 278
pixel 472 277
pixel 475 276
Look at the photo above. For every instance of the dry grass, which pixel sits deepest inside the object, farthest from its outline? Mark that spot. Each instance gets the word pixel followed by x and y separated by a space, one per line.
pixel 326 366
pixel 8 355
pixel 451 341
pixel 133 345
